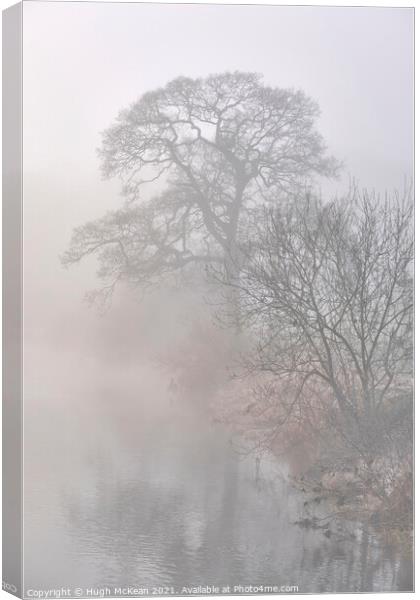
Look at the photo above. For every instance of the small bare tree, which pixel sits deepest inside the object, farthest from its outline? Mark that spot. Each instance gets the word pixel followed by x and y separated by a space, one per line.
pixel 329 289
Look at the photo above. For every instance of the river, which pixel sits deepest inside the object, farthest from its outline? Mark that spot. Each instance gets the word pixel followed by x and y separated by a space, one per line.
pixel 121 493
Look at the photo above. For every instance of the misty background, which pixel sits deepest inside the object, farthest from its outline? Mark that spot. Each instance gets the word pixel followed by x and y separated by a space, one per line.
pixel 84 370
pixel 81 67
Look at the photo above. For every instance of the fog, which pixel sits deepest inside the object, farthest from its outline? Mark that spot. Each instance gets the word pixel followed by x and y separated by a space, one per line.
pixel 127 469
pixel 82 65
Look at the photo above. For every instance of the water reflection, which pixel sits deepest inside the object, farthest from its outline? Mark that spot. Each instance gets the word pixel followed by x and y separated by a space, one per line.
pixel 165 501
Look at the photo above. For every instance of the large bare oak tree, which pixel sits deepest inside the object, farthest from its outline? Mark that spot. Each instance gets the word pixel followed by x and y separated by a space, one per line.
pixel 214 148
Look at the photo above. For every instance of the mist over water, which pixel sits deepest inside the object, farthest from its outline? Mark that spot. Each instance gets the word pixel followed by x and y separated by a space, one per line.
pixel 129 480
pixel 128 484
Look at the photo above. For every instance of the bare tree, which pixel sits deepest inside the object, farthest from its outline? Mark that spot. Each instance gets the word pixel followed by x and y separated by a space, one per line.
pixel 329 289
pixel 216 148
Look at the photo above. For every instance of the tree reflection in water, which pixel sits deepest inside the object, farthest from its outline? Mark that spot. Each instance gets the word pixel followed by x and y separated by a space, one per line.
pixel 181 508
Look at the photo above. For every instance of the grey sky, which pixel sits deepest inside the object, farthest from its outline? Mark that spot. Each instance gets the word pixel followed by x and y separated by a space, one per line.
pixel 83 62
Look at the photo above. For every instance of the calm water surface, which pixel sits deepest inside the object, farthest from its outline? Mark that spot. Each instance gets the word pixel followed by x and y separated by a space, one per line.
pixel 134 499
